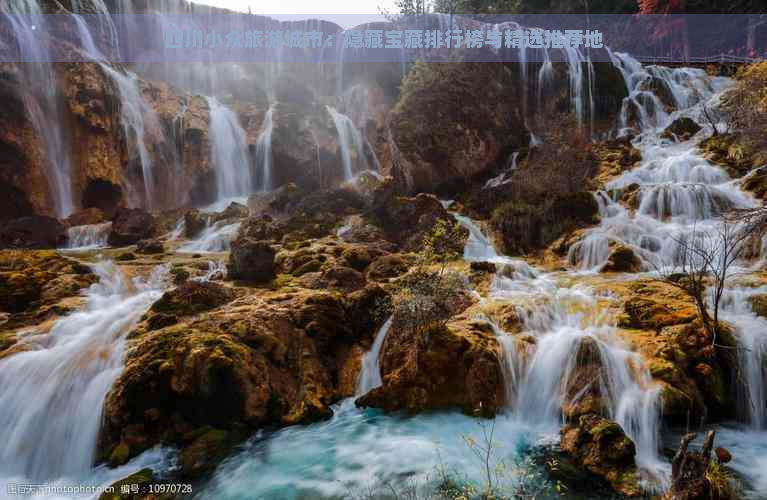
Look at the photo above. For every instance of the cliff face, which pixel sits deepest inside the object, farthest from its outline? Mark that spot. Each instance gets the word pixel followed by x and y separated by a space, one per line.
pixel 145 141
pixel 23 184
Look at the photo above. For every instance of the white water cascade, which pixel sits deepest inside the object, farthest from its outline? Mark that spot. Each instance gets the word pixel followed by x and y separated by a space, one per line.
pixel 229 152
pixel 264 157
pixel 370 372
pixel 564 320
pixel 88 236
pixel 751 328
pixel 679 191
pixel 41 101
pixel 51 395
pixel 216 237
pixel 134 113
pixel 350 141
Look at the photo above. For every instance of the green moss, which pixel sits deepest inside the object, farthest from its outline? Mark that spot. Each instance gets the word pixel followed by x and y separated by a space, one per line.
pixel 120 455
pixel 604 429
pixel 663 370
pixel 208 445
pixel 144 477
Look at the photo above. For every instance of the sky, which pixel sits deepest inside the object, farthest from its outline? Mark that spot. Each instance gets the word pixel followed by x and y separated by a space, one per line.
pixel 354 12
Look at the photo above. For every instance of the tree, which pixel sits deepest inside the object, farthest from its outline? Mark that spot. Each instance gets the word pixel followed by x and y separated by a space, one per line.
pixel 705 257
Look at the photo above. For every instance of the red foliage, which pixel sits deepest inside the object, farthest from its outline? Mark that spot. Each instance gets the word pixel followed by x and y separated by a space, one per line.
pixel 660 6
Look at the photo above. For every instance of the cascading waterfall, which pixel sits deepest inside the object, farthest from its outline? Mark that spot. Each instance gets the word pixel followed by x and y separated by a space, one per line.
pixel 264 152
pixel 26 19
pixel 679 191
pixel 736 308
pixel 88 237
pixel 134 111
pixel 348 137
pixel 229 152
pixel 567 321
pixel 370 372
pixel 216 237
pixel 53 393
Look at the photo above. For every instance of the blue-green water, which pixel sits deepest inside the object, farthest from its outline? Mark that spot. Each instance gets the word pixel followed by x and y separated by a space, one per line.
pixel 358 450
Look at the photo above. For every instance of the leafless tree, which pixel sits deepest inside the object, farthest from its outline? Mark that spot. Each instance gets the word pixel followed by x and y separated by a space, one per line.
pixel 703 259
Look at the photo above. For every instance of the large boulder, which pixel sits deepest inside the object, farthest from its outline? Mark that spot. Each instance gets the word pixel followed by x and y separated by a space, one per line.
pixel 681 129
pixel 130 226
pixel 35 231
pixel 87 216
pixel 522 227
pixel 456 366
pixel 35 284
pixel 433 144
pixel 622 259
pixel 192 297
pixel 602 447
pixel 407 220
pixel 251 260
pixel 266 359
pixel 194 223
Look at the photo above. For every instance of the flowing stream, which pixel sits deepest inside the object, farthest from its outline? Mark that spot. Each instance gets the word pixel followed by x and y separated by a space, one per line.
pixel 52 393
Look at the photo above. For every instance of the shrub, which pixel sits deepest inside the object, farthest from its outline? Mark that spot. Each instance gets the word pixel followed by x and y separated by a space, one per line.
pixel 426 300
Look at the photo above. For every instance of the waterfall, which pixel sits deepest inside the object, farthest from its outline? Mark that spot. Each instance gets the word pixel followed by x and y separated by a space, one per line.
pixel 27 21
pixel 679 190
pixel 478 247
pixel 537 378
pixel 229 152
pixel 370 372
pixel 88 237
pixel 264 152
pixel 216 237
pixel 751 330
pixel 52 394
pixel 348 137
pixel 134 109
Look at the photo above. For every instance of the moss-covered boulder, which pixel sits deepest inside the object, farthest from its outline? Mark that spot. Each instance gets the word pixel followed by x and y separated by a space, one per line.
pixel 523 227
pixel 442 131
pixel 34 232
pixel 33 283
pixel 192 297
pixel 269 358
pixel 622 259
pixel 130 226
pixel 602 447
pixel 456 366
pixel 759 304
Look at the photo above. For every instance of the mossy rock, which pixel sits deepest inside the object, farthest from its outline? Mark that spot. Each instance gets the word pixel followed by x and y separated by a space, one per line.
pixel 119 455
pixel 192 297
pixel 125 256
pixel 663 370
pixel 759 304
pixel 675 402
pixel 142 479
pixel 207 447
